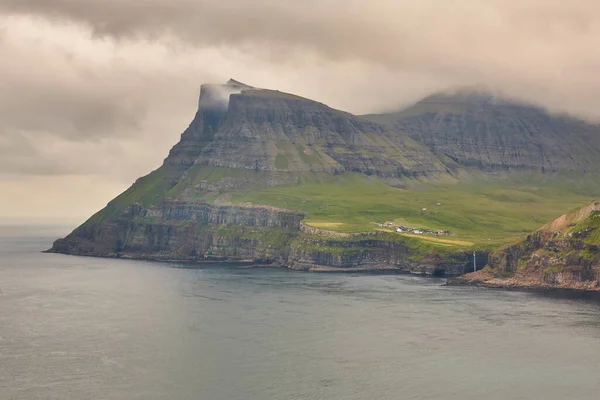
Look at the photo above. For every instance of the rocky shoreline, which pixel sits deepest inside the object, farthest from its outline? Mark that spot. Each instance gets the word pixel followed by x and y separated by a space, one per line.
pixel 488 280
pixel 482 278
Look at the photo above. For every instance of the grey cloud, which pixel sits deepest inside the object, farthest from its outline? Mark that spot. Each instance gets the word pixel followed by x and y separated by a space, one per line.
pixel 64 93
pixel 539 50
pixel 71 115
pixel 99 90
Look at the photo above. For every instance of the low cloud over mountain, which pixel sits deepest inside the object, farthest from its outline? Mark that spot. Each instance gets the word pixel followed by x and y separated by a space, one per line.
pixel 94 91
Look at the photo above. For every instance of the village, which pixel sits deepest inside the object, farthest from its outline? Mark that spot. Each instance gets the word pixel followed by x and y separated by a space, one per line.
pixel 414 231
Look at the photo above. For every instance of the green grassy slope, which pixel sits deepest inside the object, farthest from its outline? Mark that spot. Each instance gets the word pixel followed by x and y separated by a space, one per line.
pixel 591 223
pixel 487 213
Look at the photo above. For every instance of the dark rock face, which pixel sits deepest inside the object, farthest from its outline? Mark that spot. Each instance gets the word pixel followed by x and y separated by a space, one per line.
pixel 270 131
pixel 187 232
pixel 204 233
pixel 372 252
pixel 553 256
pixel 224 215
pixel 491 134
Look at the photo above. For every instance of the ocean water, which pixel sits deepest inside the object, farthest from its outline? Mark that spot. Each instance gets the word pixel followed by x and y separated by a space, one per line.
pixel 85 328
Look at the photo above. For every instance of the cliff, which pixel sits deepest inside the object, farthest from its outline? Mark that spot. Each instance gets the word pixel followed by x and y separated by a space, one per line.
pixel 184 231
pixel 561 254
pixel 282 135
pixel 196 232
pixel 490 133
pixel 246 138
pixel 249 149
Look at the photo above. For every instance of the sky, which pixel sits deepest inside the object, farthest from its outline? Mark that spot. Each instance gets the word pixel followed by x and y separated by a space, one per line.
pixel 93 93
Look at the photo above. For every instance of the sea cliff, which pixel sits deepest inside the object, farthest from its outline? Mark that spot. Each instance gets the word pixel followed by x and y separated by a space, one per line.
pixel 563 254
pixel 197 232
pixel 258 173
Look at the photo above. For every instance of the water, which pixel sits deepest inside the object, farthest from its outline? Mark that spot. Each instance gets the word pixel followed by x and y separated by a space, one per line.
pixel 84 328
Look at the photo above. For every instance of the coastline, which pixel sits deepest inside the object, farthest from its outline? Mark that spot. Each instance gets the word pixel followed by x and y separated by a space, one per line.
pixel 481 279
pixel 250 264
pixel 487 280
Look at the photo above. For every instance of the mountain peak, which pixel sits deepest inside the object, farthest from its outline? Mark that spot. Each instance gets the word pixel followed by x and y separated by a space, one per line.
pixel 233 82
pixel 469 96
pixel 216 95
pixel 491 132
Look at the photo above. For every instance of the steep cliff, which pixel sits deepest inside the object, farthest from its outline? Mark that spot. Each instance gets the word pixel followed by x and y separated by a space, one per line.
pixel 319 251
pixel 197 232
pixel 490 133
pixel 185 231
pixel 283 135
pixel 562 254
pixel 246 138
pixel 255 165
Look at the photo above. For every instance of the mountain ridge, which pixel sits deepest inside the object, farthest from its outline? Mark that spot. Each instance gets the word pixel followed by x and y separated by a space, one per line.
pixel 212 198
pixel 493 133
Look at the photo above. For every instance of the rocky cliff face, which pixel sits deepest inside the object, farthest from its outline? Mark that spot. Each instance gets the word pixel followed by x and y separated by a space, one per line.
pixel 184 231
pixel 242 138
pixel 489 133
pixel 380 251
pixel 268 131
pixel 190 232
pixel 562 254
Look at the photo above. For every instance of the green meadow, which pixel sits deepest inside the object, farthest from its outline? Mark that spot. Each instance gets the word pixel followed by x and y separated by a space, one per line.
pixel 483 211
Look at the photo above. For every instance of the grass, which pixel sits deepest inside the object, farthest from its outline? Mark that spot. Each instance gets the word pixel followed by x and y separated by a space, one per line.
pixel 325 224
pixel 483 212
pixel 148 189
pixel 198 174
pixel 592 221
pixel 438 240
pixel 281 161
pixel 428 238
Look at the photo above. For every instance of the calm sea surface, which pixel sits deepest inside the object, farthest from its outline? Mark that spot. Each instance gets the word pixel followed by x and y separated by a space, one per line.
pixel 84 328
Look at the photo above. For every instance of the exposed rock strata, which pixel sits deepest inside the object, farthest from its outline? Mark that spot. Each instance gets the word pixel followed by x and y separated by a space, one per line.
pixel 246 138
pixel 482 131
pixel 205 233
pixel 562 254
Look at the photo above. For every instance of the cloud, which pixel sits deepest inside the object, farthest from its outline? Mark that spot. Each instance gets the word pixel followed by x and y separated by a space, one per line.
pixel 101 89
pixel 541 50
pixel 68 93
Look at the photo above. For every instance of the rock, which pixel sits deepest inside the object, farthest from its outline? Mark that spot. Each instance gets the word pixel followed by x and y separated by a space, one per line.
pixel 485 132
pixel 244 138
pixel 552 257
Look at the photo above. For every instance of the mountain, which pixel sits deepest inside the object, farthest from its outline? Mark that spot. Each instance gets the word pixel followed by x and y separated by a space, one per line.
pixel 561 254
pixel 490 133
pixel 280 134
pixel 262 176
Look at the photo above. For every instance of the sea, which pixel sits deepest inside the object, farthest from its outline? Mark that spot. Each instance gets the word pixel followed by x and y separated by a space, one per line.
pixel 92 328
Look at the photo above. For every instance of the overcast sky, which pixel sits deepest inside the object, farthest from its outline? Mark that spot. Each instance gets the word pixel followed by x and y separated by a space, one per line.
pixel 93 93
